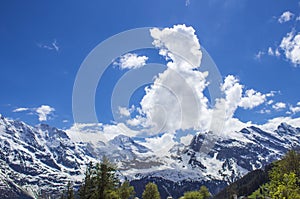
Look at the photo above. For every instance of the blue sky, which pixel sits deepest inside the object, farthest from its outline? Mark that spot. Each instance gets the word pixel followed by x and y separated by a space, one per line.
pixel 44 43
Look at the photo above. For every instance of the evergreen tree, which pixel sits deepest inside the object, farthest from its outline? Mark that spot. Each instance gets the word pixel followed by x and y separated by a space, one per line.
pixel 106 180
pixel 87 187
pixel 192 195
pixel 112 195
pixel 204 192
pixel 100 181
pixel 151 191
pixel 62 195
pixel 126 191
pixel 70 191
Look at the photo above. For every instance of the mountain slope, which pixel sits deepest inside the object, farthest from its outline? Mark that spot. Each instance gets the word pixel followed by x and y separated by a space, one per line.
pixel 40 160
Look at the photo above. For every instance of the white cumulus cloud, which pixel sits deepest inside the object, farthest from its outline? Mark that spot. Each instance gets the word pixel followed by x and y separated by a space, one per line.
pixel 236 97
pixel 131 61
pixel 43 111
pixel 285 17
pixel 290 44
pixel 273 123
pixel 279 106
pixel 175 100
pixel 124 111
pixel 252 99
pixel 295 109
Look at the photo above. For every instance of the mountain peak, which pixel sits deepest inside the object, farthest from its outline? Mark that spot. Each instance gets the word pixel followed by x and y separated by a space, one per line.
pixel 286 129
pixel 128 143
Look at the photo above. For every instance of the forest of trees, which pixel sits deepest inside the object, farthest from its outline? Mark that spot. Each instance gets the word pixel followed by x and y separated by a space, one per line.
pixel 100 182
pixel 284 179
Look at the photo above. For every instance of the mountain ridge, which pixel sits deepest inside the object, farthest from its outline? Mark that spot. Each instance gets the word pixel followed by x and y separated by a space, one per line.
pixel 42 159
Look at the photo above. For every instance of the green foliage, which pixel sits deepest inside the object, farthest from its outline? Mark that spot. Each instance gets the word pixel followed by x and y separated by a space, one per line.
pixel 105 179
pixel 112 195
pixel 284 179
pixel 286 187
pixel 87 187
pixel 192 195
pixel 126 191
pixel 100 182
pixel 259 193
pixel 151 191
pixel 203 193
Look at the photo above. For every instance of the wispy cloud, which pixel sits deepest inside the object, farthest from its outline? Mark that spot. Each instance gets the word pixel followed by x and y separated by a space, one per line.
pixel 187 2
pixel 264 111
pixel 50 46
pixel 258 55
pixel 20 109
pixel 43 111
pixel 273 52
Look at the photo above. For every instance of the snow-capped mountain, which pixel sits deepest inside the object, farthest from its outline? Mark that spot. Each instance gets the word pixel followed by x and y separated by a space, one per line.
pixel 37 160
pixel 41 160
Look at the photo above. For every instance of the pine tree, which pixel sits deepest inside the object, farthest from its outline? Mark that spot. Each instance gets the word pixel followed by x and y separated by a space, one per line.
pixel 105 180
pixel 192 195
pixel 151 191
pixel 204 192
pixel 126 191
pixel 87 187
pixel 112 195
pixel 70 191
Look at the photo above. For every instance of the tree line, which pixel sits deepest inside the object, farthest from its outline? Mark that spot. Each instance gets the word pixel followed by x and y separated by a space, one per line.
pixel 284 180
pixel 101 182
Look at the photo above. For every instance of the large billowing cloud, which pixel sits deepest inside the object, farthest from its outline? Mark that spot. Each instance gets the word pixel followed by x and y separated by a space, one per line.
pixel 176 101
